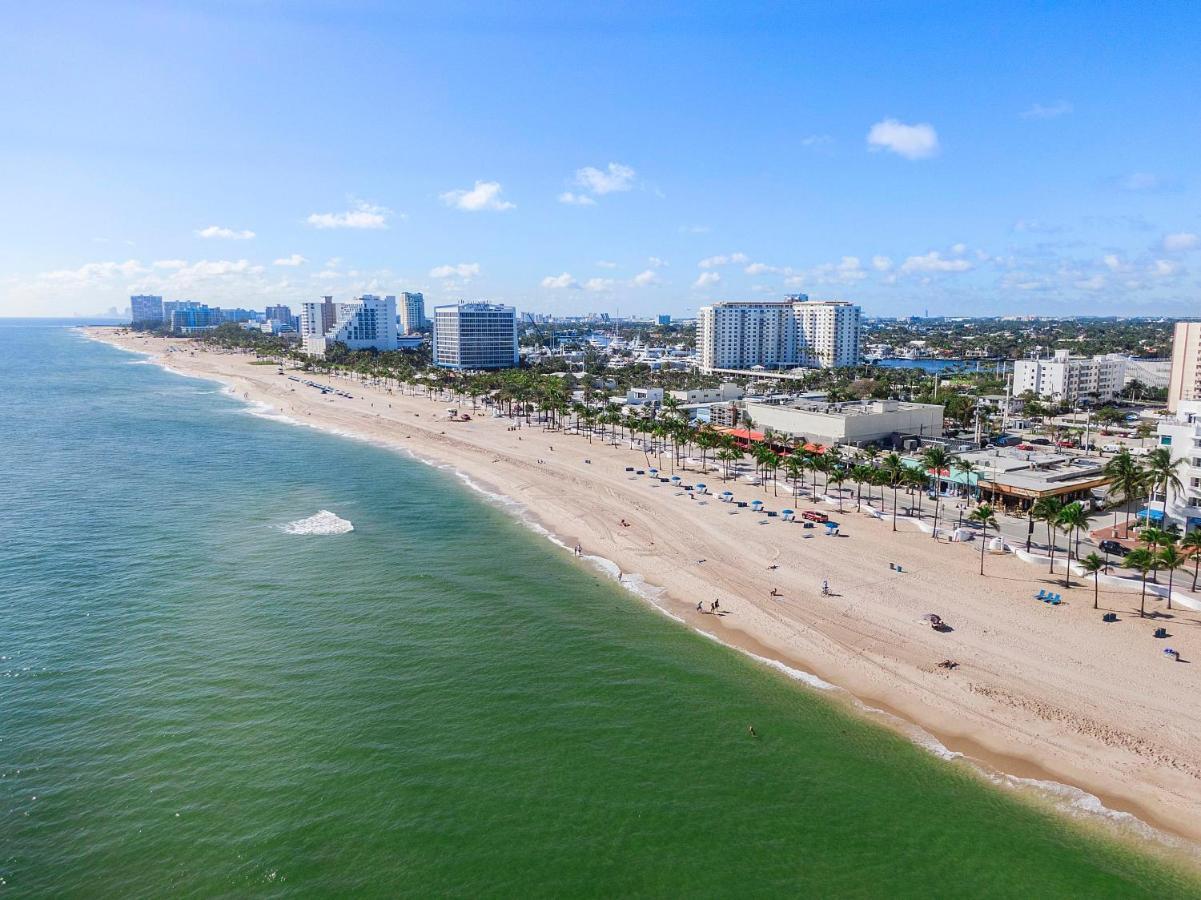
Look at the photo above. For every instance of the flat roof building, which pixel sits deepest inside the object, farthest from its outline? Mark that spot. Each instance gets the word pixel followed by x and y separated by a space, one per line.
pixel 1184 382
pixel 475 336
pixel 146 310
pixel 858 422
pixel 779 334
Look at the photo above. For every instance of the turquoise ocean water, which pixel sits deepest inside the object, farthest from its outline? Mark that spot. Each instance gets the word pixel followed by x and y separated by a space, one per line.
pixel 195 702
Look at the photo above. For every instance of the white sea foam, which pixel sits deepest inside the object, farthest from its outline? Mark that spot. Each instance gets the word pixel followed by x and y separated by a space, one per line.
pixel 324 522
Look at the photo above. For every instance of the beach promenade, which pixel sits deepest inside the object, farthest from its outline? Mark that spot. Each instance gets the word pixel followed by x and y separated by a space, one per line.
pixel 1040 692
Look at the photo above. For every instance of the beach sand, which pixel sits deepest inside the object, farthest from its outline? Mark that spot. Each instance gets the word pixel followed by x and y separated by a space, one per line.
pixel 1041 693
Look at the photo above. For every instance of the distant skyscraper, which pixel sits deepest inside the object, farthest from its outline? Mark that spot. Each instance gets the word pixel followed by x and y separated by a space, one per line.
pixel 1185 381
pixel 188 317
pixel 778 334
pixel 366 323
pixel 146 309
pixel 475 336
pixel 278 314
pixel 664 320
pixel 412 312
pixel 316 318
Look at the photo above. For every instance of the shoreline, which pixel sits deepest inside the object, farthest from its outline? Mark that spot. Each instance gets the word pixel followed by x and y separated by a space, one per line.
pixel 807 650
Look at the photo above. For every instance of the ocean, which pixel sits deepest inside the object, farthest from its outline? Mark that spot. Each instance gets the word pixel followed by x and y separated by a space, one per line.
pixel 242 657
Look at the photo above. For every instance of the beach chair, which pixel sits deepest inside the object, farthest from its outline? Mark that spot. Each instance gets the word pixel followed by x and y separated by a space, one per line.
pixel 1041 595
pixel 1109 617
pixel 1161 632
pixel 1056 600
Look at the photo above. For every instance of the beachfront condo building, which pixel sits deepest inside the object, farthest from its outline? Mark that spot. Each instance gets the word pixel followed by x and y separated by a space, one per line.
pixel 475 336
pixel 1184 382
pixel 366 323
pixel 188 317
pixel 316 318
pixel 412 312
pixel 146 310
pixel 778 334
pixel 1068 379
pixel 1182 435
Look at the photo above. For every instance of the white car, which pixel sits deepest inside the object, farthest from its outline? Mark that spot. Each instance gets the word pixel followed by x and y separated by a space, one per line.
pixel 1140 451
pixel 1111 448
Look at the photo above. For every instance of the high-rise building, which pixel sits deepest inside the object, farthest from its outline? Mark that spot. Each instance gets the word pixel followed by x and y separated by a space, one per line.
pixel 146 310
pixel 1068 379
pixel 366 323
pixel 779 334
pixel 188 317
pixel 475 336
pixel 664 319
pixel 1184 383
pixel 1181 434
pixel 412 312
pixel 316 318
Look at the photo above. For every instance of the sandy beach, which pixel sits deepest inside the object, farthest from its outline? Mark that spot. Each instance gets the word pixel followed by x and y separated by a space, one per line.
pixel 1044 693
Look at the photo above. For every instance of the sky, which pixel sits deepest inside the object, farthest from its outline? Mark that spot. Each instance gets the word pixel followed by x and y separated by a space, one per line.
pixel 635 158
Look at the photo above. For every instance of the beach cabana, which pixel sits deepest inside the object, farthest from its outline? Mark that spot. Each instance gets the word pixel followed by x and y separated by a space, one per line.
pixel 756 505
pixel 675 479
pixel 701 489
pixel 726 496
pixel 653 473
pixel 788 514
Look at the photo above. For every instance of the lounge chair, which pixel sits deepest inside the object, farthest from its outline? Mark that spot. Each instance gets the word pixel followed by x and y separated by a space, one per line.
pixel 1056 600
pixel 1041 595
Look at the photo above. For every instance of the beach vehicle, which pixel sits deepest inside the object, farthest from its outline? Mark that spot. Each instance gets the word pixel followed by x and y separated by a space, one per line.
pixel 813 515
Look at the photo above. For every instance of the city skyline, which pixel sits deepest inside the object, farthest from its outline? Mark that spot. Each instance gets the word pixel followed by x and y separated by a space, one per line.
pixel 643 162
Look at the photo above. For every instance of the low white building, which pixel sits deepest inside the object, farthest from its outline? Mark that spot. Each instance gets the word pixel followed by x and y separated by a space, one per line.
pixel 724 393
pixel 857 422
pixel 1182 434
pixel 1067 379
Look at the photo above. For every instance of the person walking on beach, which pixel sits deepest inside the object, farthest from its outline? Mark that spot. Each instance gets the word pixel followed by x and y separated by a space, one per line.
pixel 700 607
pixel 825 588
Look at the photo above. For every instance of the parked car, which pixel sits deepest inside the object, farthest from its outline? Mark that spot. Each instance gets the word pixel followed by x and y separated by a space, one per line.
pixel 1042 442
pixel 1111 448
pixel 1025 446
pixel 1112 547
pixel 1065 444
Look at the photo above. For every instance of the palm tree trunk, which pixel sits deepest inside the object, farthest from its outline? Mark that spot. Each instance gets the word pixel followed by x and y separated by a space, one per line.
pixel 1096 588
pixel 983 544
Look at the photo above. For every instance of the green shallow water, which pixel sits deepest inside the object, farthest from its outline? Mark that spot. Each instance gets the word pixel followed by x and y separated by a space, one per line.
pixel 437 703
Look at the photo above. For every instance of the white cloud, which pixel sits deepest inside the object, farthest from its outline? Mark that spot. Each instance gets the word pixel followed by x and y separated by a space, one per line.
pixel 363 215
pixel 461 270
pixel 1092 283
pixel 817 142
pixel 759 268
pixel 615 177
pixel 606 264
pixel 576 199
pixel 1113 262
pixel 1181 241
pixel 710 262
pixel 216 231
pixel 1164 268
pixel 485 195
pixel 706 279
pixel 1145 182
pixel 656 263
pixel 294 260
pixel 881 263
pixel 934 262
pixel 598 284
pixel 560 282
pixel 170 263
pixel 1054 111
pixel 909 141
pixel 646 278
pixel 207 268
pixel 93 273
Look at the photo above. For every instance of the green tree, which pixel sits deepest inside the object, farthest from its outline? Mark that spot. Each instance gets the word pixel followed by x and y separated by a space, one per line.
pixel 1047 510
pixel 1191 545
pixel 1171 559
pixel 1093 565
pixel 984 515
pixel 1142 561
pixel 937 460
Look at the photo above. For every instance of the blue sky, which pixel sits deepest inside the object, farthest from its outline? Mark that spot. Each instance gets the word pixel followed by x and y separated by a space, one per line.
pixel 959 158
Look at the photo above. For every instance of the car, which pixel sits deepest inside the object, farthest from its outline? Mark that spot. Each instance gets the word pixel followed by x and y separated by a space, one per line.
pixel 1112 547
pixel 1065 444
pixel 1042 442
pixel 1025 446
pixel 1111 448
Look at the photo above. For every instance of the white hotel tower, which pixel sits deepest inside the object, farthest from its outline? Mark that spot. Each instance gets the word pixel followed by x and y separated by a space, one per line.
pixel 778 334
pixel 366 323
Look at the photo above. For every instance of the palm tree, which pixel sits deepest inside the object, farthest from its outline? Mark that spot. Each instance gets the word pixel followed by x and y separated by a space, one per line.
pixel 728 455
pixel 967 469
pixel 936 459
pixel 1047 510
pixel 771 462
pixel 1127 482
pixel 861 475
pixel 837 477
pixel 985 516
pixel 1162 474
pixel 1094 565
pixel 894 469
pixel 1191 545
pixel 1155 538
pixel 1142 561
pixel 1171 559
pixel 916 480
pixel 1072 518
